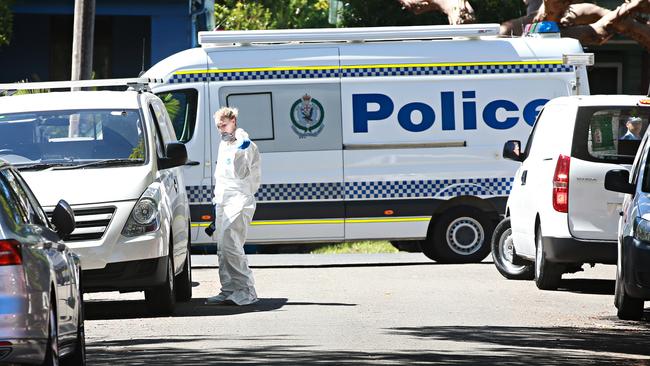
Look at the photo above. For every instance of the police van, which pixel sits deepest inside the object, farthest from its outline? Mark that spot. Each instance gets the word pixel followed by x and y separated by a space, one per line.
pixel 369 133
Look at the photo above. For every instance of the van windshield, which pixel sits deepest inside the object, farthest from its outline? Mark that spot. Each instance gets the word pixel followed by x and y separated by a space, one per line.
pixel 72 138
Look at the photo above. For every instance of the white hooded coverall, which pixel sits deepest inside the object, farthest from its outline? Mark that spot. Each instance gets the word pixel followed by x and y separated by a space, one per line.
pixel 237 178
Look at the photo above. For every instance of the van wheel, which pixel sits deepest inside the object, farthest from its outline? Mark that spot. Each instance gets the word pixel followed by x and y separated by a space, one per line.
pixel 460 235
pixel 547 274
pixel 503 253
pixel 52 347
pixel 629 308
pixel 160 300
pixel 184 285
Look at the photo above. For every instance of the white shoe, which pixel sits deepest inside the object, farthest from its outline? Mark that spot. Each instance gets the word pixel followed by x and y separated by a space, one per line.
pixel 243 297
pixel 217 299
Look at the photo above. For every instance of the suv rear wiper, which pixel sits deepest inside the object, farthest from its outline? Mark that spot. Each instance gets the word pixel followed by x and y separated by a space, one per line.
pixel 105 162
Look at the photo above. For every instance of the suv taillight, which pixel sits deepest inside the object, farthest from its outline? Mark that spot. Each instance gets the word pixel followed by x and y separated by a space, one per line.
pixel 10 253
pixel 561 184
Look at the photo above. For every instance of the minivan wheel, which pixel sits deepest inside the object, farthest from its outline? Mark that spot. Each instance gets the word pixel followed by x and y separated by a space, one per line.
pixel 184 280
pixel 547 274
pixel 161 300
pixel 503 254
pixel 629 308
pixel 460 235
pixel 52 347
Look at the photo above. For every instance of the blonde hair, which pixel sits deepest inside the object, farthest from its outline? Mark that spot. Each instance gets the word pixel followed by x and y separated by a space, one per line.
pixel 225 112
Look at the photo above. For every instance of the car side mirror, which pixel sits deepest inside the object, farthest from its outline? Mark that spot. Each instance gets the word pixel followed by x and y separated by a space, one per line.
pixel 512 150
pixel 63 219
pixel 175 155
pixel 618 180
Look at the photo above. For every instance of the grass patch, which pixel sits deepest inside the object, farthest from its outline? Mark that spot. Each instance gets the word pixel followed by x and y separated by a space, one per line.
pixel 358 247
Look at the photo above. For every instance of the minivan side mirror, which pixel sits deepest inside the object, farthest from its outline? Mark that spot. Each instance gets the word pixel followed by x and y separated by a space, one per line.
pixel 175 155
pixel 512 150
pixel 618 180
pixel 63 219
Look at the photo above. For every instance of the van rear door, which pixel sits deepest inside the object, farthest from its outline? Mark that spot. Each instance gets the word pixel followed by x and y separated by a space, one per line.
pixel 601 143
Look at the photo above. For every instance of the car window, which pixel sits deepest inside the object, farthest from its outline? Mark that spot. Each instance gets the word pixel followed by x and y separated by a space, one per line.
pixel 156 132
pixel 32 199
pixel 609 134
pixel 9 205
pixel 22 198
pixel 181 106
pixel 532 134
pixel 72 136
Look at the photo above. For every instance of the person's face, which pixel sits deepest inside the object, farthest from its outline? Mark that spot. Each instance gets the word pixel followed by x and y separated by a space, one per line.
pixel 228 125
pixel 635 128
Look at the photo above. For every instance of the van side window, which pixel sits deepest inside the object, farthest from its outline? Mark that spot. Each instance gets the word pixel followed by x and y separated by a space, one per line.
pixel 11 208
pixel 609 134
pixel 33 216
pixel 181 106
pixel 636 167
pixel 255 114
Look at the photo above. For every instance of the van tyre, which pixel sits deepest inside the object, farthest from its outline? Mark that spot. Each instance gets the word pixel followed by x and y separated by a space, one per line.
pixel 547 274
pixel 460 235
pixel 409 246
pixel 161 300
pixel 184 279
pixel 503 252
pixel 629 308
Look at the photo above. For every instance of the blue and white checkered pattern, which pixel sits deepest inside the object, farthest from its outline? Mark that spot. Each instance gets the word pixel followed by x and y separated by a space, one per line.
pixel 369 190
pixel 455 70
pixel 369 72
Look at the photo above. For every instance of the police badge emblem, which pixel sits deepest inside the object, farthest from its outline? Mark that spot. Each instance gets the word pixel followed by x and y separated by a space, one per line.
pixel 307 116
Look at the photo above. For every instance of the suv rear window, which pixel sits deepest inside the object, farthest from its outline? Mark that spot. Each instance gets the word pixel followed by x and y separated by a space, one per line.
pixel 609 134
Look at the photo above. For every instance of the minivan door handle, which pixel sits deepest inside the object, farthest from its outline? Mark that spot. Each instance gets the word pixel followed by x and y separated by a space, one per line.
pixel 524 174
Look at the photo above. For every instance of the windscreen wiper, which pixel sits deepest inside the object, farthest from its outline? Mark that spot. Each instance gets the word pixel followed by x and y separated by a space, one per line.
pixel 106 162
pixel 41 166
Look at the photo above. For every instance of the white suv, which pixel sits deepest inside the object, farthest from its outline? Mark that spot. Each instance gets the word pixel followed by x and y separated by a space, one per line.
pixel 113 155
pixel 560 214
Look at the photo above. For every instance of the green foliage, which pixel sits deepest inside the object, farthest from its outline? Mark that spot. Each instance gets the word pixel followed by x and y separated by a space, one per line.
pixel 6 21
pixel 172 104
pixel 357 247
pixel 138 151
pixel 358 13
pixel 271 14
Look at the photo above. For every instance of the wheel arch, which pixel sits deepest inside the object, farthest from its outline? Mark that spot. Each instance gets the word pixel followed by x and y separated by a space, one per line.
pixel 462 201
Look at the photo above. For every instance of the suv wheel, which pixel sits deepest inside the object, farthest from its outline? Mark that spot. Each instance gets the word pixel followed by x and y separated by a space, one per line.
pixel 629 308
pixel 160 300
pixel 547 274
pixel 460 235
pixel 503 254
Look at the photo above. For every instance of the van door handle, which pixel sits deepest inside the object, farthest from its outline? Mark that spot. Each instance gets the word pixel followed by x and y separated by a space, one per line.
pixel 524 174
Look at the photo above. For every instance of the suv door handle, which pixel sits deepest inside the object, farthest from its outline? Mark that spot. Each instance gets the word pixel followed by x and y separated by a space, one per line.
pixel 524 174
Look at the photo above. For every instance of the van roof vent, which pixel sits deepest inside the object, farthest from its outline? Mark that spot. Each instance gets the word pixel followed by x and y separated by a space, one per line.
pixel 318 35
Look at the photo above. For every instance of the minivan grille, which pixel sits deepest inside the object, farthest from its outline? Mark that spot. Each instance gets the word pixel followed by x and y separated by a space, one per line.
pixel 91 223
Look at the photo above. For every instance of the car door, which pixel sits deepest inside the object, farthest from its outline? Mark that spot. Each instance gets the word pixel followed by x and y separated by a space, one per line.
pixel 599 146
pixel 56 251
pixel 172 179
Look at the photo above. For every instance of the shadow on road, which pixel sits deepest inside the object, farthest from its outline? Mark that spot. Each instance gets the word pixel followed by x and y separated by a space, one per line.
pixel 523 346
pixel 588 286
pixel 135 309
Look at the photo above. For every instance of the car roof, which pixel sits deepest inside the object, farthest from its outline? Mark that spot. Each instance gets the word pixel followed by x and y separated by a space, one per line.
pixel 69 100
pixel 602 100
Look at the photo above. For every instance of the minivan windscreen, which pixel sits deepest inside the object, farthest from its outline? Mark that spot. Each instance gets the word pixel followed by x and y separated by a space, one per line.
pixel 72 138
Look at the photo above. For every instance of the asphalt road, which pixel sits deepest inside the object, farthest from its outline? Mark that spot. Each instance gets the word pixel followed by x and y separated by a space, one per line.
pixel 388 313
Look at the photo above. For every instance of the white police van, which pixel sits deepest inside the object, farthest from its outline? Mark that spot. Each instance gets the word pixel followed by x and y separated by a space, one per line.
pixel 369 133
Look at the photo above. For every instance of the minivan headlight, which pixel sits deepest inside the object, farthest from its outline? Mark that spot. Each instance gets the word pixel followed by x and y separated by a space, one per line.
pixel 642 229
pixel 144 218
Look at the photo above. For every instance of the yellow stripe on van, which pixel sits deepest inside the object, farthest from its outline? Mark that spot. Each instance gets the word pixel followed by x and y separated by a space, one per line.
pixel 329 221
pixel 351 67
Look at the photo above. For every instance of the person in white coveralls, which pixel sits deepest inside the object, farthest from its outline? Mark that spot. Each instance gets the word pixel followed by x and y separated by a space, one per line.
pixel 237 178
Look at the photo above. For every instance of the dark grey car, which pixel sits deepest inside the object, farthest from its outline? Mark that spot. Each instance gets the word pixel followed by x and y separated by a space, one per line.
pixel 41 304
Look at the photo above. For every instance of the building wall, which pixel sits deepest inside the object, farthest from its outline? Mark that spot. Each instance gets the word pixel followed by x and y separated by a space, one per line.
pixel 43 35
